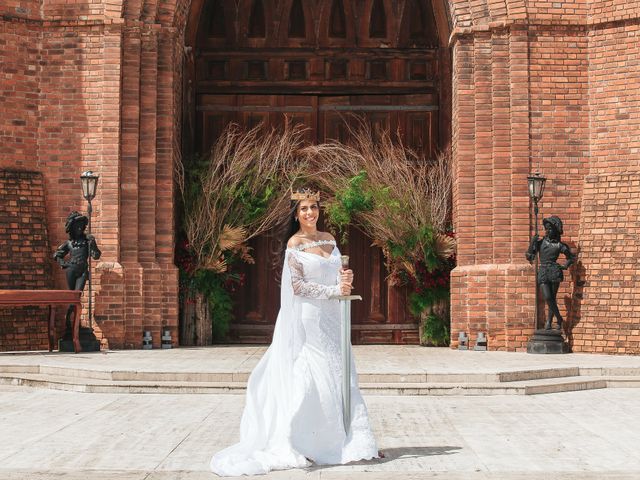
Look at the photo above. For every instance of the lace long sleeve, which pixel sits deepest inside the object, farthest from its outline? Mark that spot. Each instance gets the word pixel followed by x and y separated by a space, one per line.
pixel 304 288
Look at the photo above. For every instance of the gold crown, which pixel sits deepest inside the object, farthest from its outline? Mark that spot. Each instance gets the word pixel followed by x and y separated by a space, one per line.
pixel 305 194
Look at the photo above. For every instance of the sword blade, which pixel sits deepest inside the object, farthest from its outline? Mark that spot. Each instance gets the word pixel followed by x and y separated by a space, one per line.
pixel 346 363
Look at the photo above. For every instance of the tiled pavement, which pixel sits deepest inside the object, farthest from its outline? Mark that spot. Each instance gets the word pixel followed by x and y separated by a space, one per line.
pixel 585 435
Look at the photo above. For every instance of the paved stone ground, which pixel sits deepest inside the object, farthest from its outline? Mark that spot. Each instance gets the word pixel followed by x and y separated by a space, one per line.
pixel 589 435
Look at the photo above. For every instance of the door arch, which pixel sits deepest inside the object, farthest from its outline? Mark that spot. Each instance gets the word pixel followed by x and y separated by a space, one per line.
pixel 255 61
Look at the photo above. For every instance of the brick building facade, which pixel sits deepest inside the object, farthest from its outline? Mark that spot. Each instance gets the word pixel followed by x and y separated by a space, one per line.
pixel 537 85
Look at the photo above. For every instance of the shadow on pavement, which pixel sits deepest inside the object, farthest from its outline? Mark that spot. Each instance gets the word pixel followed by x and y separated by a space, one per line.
pixel 391 454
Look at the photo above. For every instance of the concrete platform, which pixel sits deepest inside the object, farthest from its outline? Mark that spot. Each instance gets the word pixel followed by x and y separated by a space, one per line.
pixel 436 413
pixel 588 435
pixel 383 370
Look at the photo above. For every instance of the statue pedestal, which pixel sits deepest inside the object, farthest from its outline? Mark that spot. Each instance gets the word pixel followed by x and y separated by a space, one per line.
pixel 88 341
pixel 546 341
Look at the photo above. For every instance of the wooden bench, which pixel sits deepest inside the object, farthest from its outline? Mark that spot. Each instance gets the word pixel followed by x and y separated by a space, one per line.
pixel 51 298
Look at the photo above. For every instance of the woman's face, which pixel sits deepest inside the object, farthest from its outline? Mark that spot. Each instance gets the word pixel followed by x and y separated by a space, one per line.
pixel 307 213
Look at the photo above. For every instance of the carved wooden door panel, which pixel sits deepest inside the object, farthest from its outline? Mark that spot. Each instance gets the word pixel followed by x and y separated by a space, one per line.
pixel 319 62
pixel 382 316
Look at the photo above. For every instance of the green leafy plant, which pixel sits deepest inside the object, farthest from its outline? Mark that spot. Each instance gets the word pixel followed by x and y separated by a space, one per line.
pixel 435 330
pixel 352 199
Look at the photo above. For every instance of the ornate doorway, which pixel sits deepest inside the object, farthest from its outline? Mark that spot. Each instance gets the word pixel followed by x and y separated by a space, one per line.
pixel 318 62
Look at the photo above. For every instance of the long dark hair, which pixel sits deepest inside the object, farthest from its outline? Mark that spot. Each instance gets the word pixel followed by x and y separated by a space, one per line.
pixel 283 232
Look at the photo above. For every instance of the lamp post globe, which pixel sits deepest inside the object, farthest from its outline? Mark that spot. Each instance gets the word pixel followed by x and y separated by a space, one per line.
pixel 536 186
pixel 89 185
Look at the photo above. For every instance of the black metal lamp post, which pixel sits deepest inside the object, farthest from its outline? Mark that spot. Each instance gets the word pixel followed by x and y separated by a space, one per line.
pixel 89 187
pixel 536 184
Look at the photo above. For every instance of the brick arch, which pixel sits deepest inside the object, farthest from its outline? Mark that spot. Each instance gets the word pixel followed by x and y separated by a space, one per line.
pixel 466 14
pixel 187 14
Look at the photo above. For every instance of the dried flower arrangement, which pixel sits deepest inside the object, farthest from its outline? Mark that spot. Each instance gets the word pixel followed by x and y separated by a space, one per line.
pixel 402 202
pixel 397 198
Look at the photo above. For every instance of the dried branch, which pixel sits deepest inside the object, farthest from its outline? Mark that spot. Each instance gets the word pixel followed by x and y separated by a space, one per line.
pixel 409 194
pixel 240 191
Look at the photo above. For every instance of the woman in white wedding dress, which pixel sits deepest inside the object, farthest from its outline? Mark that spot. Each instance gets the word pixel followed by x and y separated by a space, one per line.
pixel 293 409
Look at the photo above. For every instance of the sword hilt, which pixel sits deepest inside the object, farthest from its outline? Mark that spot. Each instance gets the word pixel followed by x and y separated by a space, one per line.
pixel 349 297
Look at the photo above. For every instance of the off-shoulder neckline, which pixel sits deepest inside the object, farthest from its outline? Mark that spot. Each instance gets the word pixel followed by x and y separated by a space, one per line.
pixel 304 246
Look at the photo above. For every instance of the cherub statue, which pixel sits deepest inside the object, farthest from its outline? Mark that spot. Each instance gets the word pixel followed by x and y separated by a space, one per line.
pixel 78 247
pixel 550 274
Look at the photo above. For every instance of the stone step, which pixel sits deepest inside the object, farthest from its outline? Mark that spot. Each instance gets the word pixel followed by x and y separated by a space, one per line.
pixel 426 377
pixel 75 384
pixel 527 387
pixel 616 371
pixel 523 387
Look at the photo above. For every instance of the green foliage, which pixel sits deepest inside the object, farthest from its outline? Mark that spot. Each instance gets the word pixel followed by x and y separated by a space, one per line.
pixel 435 330
pixel 213 286
pixel 354 198
pixel 197 166
pixel 411 250
pixel 421 301
pixel 418 244
pixel 249 204
pixel 358 197
pixel 427 242
pixel 246 206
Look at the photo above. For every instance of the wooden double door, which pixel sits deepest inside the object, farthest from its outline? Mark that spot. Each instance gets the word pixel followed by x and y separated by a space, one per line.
pixel 382 316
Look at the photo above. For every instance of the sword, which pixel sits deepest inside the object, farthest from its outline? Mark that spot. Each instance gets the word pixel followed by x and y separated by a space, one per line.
pixel 345 314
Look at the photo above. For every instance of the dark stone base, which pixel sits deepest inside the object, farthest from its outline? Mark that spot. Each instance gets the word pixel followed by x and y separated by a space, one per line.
pixel 88 341
pixel 546 341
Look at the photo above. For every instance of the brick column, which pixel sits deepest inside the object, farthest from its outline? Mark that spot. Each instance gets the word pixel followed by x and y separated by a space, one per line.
pixel 493 285
pixel 143 285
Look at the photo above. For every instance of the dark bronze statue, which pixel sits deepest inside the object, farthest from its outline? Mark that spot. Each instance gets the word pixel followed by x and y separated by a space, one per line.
pixel 550 274
pixel 78 247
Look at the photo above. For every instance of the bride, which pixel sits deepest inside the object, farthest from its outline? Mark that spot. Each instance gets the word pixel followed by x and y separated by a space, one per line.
pixel 293 409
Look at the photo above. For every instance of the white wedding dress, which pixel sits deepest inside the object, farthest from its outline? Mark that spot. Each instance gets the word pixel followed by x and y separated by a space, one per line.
pixel 293 409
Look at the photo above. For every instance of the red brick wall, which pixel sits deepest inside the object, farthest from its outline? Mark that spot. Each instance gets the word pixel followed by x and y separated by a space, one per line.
pixel 19 74
pixel 91 112
pixel 20 8
pixel 573 78
pixel 614 97
pixel 25 257
pixel 601 11
pixel 560 128
pixel 74 10
pixel 607 306
pixel 537 85
pixel 607 317
pixel 490 287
